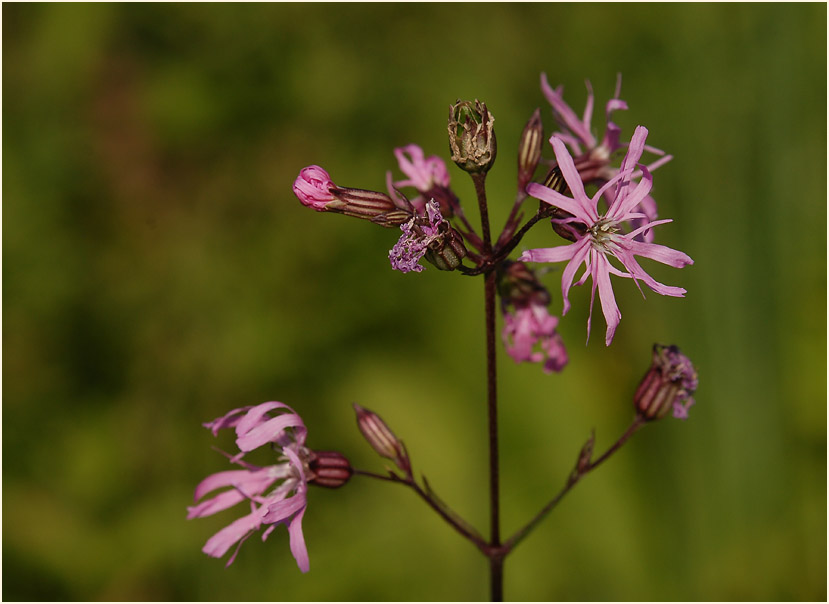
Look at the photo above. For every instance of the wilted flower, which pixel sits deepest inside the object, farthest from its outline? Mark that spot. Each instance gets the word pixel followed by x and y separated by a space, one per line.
pixel 602 237
pixel 430 236
pixel 669 384
pixel 276 493
pixel 472 136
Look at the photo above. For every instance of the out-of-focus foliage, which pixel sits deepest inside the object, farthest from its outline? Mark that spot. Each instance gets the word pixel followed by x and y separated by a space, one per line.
pixel 157 271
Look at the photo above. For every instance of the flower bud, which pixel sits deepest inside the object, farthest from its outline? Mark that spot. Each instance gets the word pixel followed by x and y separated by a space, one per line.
pixel 471 136
pixel 329 469
pixel 315 189
pixel 669 384
pixel 529 149
pixel 381 438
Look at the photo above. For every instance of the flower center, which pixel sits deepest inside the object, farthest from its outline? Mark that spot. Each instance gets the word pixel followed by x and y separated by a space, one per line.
pixel 602 233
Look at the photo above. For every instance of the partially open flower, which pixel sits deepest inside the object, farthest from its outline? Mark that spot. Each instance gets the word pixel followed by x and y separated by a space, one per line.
pixel 315 189
pixel 669 384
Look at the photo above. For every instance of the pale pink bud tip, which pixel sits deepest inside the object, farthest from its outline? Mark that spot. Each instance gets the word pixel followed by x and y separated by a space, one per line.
pixel 313 188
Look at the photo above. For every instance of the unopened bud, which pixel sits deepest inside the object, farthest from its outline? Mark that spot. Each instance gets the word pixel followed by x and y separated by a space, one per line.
pixel 315 189
pixel 517 284
pixel 471 136
pixel 381 438
pixel 329 468
pixel 529 149
pixel 668 385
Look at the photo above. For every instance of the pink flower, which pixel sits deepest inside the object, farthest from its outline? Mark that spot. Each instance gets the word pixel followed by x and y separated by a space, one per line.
pixel 530 325
pixel 594 155
pixel 591 157
pixel 313 188
pixel 428 175
pixel 602 237
pixel 424 172
pixel 276 493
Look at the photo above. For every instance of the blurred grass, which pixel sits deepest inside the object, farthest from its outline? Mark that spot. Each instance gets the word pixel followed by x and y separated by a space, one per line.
pixel 158 272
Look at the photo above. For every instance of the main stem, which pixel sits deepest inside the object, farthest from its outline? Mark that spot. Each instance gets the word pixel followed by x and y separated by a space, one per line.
pixel 496 561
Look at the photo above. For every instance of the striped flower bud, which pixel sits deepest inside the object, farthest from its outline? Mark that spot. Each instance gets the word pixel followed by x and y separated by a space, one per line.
pixel 381 438
pixel 315 189
pixel 529 149
pixel 329 469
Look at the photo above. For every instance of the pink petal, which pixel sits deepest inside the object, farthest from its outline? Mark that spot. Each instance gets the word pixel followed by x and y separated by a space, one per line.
pixel 280 511
pixel 610 309
pixel 660 253
pixel 558 200
pixel 229 478
pixel 269 431
pixel 220 502
pixel 588 108
pixel 627 200
pixel 637 272
pixel 297 541
pixel 573 179
pixel 580 251
pixel 549 254
pixel 568 116
pixel 222 541
pixel 256 414
pixel 228 420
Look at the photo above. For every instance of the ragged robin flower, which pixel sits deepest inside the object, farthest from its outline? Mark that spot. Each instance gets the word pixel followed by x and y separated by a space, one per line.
pixel 602 237
pixel 276 493
pixel 593 157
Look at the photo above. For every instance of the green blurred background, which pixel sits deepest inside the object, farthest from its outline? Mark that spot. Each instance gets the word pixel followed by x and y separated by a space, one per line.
pixel 158 272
